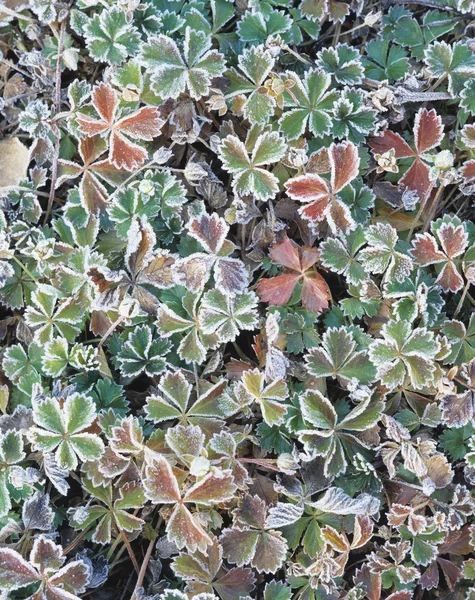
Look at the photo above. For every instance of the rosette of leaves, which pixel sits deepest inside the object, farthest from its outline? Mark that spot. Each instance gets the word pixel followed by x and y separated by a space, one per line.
pixel 253 389
pixel 177 318
pixel 249 174
pixel 205 573
pixel 352 118
pixel 342 63
pixel 45 567
pixel 381 256
pixel 226 316
pixel 462 340
pixel 403 354
pixel 61 426
pixel 143 353
pixel 335 438
pixel 51 315
pixel 174 399
pixel 342 355
pixel 310 102
pixel 250 541
pixel 174 72
pixel 258 24
pixel 428 133
pixel 142 124
pixel 194 271
pixel 454 62
pixel 255 63
pixel 109 36
pixel 447 248
pixel 301 274
pixel 385 61
pixel 341 255
pixel 108 508
pixel 149 269
pixel 94 172
pixel 162 487
pixel 322 202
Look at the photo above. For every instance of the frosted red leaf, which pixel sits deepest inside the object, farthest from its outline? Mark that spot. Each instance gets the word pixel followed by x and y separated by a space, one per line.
pixel 390 140
pixel 428 133
pixel 428 130
pixel 278 290
pixel 143 124
pixel 425 250
pixel 468 171
pixel 322 195
pixel 160 483
pixel 210 231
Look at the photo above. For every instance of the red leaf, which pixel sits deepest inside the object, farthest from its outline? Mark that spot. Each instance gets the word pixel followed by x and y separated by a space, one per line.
pixel 89 126
pixel 124 154
pixel 316 210
pixel 104 100
pixel 160 483
pixel 309 257
pixel 451 572
pixel 450 279
pixel 210 231
pixel 145 124
pixel 428 130
pixel 453 239
pixel 286 254
pixel 371 582
pixel 468 171
pixel 425 250
pixel 430 578
pixel 308 188
pixel 345 162
pixel 94 195
pixel 278 290
pixel 417 179
pixel 185 530
pixel 391 141
pixel 315 292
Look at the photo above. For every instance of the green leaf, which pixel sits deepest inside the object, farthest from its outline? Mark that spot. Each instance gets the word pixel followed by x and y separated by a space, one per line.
pixel 141 353
pixel 110 37
pixel 343 63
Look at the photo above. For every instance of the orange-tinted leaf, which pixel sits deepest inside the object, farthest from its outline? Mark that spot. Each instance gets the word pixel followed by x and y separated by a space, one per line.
pixel 160 483
pixel 345 162
pixel 286 254
pixel 425 250
pixel 144 124
pixel 278 290
pixel 391 141
pixel 212 489
pixel 428 130
pixel 308 188
pixel 124 154
pixel 315 292
pixel 186 531
pixel 417 179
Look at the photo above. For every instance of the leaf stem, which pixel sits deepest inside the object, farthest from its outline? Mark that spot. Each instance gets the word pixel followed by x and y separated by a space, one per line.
pixel 462 298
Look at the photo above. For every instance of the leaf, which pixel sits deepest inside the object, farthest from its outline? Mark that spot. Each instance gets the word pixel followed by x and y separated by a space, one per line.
pixel 456 62
pixel 252 388
pixel 342 63
pixel 172 73
pixel 15 571
pixel 143 124
pixel 248 174
pixel 321 197
pixel 338 357
pixel 336 502
pixel 142 353
pixel 404 352
pixel 110 37
pixel 310 103
pixel 278 290
pixel 225 316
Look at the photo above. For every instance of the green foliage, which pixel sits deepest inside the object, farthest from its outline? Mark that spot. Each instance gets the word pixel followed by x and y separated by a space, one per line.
pixel 237 253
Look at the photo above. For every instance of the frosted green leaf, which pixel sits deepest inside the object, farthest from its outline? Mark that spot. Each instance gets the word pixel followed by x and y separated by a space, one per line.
pixel 174 72
pixel 110 37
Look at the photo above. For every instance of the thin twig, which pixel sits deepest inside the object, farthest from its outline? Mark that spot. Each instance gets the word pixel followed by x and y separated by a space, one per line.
pixel 143 569
pixel 57 109
pixel 130 551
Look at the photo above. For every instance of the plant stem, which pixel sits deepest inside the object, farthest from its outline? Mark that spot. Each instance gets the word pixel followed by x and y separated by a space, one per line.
pixel 143 569
pixel 57 109
pixel 130 551
pixel 462 298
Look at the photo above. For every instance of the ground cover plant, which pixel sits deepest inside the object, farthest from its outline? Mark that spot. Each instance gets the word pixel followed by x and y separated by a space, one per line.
pixel 237 249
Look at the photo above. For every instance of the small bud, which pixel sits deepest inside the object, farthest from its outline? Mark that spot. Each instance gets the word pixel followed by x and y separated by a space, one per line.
pixel 444 160
pixel 387 161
